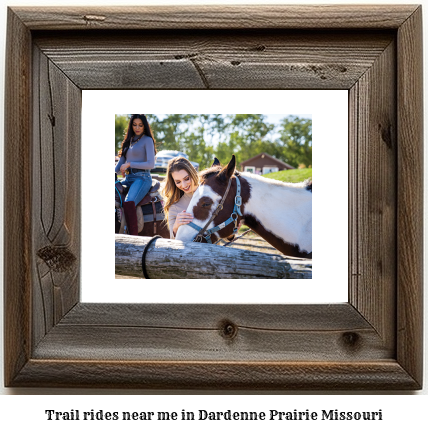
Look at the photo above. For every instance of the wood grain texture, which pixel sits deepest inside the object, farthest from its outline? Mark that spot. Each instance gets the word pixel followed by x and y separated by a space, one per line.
pixel 386 375
pixel 215 60
pixel 341 317
pixel 201 332
pixel 410 196
pixel 372 342
pixel 373 174
pixel 216 17
pixel 17 198
pixel 172 259
pixel 56 194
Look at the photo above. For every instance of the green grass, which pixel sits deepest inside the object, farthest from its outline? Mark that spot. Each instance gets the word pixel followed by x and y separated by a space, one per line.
pixel 295 175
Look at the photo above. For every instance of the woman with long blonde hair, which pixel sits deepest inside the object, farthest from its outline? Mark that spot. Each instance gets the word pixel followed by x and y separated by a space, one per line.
pixel 181 181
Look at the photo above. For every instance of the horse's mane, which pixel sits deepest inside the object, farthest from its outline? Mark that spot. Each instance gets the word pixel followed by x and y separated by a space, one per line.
pixel 213 171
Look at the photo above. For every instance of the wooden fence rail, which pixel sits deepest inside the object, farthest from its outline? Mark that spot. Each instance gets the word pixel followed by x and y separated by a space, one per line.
pixel 171 259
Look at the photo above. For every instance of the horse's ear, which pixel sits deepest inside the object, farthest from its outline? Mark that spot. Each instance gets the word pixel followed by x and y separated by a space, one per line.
pixel 227 171
pixel 230 169
pixel 216 162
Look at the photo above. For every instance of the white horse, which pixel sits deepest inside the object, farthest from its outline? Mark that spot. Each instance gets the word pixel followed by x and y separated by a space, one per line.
pixel 279 212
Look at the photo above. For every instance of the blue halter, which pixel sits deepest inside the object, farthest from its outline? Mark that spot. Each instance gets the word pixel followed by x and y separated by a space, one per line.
pixel 204 233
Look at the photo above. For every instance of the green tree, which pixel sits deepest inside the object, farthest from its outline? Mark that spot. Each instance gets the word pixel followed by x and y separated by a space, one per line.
pixel 205 136
pixel 170 133
pixel 295 143
pixel 249 136
pixel 121 124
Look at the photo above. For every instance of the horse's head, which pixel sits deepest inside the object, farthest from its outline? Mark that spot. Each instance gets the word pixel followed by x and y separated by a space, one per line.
pixel 206 200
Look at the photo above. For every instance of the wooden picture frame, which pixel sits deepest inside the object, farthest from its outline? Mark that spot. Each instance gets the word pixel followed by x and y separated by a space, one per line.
pixel 372 342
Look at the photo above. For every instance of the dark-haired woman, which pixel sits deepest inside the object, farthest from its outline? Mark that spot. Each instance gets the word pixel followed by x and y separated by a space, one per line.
pixel 136 161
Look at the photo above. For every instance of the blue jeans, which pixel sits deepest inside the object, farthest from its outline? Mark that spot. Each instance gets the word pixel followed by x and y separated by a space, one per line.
pixel 139 185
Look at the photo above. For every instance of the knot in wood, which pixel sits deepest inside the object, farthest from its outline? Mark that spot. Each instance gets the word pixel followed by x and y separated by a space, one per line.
pixel 58 259
pixel 228 330
pixel 94 18
pixel 351 340
pixel 386 134
pixel 51 119
pixel 186 56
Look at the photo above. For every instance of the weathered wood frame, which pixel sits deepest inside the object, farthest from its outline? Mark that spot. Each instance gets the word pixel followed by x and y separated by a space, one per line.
pixel 372 342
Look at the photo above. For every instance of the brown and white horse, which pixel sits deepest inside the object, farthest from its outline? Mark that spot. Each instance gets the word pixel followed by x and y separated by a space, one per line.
pixel 279 212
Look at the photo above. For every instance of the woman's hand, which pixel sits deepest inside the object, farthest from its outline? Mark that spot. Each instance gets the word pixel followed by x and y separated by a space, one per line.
pixel 183 218
pixel 124 167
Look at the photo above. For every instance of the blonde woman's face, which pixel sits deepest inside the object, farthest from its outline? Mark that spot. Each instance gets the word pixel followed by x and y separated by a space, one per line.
pixel 184 181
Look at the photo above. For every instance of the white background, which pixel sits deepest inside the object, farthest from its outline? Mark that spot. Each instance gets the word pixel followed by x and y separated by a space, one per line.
pixel 27 412
pixel 330 201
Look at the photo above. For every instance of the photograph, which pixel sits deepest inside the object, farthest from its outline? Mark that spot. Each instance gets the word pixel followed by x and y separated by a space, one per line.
pixel 171 183
pixel 345 80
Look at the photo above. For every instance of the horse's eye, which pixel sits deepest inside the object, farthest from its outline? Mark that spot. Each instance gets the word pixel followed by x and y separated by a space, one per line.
pixel 206 204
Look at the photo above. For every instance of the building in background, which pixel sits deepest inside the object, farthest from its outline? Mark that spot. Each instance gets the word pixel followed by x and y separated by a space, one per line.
pixel 264 163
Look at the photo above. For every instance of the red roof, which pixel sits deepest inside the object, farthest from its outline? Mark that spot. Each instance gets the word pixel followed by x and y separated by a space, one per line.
pixel 246 162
